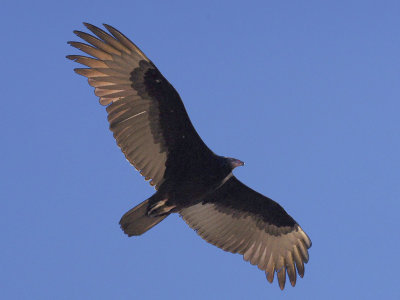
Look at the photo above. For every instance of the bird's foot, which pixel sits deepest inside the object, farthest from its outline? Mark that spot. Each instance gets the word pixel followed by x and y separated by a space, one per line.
pixel 159 208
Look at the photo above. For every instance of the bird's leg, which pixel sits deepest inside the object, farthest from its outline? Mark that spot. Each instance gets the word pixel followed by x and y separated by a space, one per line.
pixel 159 208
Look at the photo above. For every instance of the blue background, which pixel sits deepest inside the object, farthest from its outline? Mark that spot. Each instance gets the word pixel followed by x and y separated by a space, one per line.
pixel 306 93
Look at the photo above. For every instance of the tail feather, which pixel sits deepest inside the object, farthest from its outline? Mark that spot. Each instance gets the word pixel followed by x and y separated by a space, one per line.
pixel 136 221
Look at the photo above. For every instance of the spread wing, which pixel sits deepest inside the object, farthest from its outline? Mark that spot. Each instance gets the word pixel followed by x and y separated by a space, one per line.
pixel 237 219
pixel 146 114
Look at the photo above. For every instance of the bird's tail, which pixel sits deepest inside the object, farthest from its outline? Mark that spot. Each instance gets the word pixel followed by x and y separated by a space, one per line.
pixel 136 221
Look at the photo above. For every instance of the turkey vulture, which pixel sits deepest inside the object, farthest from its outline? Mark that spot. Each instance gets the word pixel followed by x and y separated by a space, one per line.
pixel 153 130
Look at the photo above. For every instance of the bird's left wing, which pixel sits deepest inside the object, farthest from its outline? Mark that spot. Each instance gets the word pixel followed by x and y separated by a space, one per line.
pixel 146 114
pixel 237 219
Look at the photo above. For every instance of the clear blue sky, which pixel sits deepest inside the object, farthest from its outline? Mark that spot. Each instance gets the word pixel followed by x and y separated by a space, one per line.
pixel 307 94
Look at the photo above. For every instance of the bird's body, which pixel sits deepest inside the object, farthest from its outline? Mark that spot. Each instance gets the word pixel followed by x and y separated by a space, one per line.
pixel 152 128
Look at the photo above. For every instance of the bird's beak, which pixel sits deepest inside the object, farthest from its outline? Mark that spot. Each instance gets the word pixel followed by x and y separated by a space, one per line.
pixel 237 163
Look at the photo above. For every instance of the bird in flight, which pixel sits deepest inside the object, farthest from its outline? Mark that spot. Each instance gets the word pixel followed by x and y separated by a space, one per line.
pixel 151 126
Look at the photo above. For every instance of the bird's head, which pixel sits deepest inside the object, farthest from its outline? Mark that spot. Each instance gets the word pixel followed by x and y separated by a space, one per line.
pixel 233 162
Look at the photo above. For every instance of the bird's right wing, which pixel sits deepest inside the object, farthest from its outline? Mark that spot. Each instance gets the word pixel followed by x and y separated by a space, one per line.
pixel 146 114
pixel 237 219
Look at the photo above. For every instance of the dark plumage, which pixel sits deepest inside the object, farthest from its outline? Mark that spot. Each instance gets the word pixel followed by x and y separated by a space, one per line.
pixel 153 130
